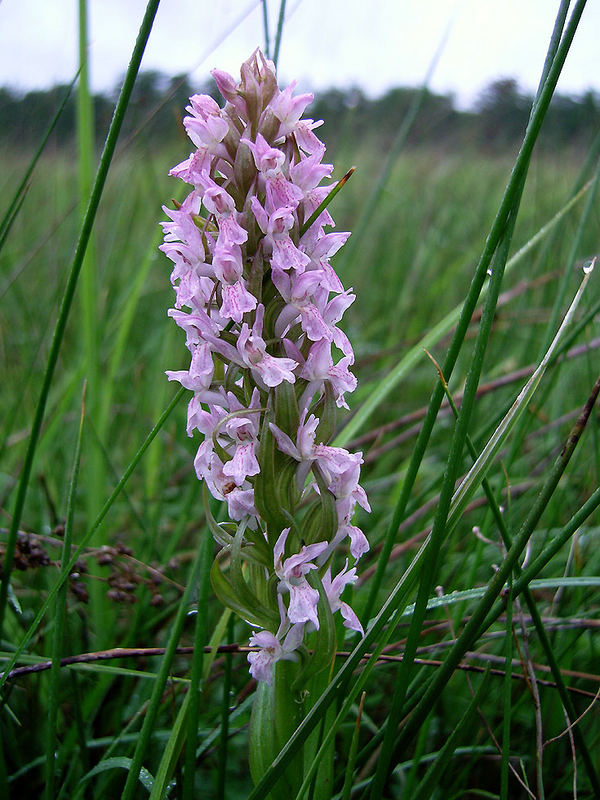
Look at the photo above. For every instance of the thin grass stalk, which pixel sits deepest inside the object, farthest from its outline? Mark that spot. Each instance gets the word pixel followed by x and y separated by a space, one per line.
pixel 200 636
pixel 60 609
pixel 67 300
pixel 19 195
pixel 420 745
pixel 161 679
pixel 588 210
pixel 89 281
pixel 224 739
pixel 555 37
pixel 558 542
pixel 266 28
pixel 507 696
pixel 351 761
pixel 279 32
pixel 89 278
pixel 99 519
pixel 513 190
pixel 169 759
pixel 483 614
pixel 595 436
pixel 11 216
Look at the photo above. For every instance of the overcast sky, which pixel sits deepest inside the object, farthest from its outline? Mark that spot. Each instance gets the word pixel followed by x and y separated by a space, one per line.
pixel 375 44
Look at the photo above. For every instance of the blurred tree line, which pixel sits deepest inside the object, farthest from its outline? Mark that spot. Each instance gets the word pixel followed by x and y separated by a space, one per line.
pixel 495 124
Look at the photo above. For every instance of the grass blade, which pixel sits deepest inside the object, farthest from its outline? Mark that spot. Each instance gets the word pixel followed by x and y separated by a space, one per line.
pixel 59 331
pixel 352 754
pixel 59 621
pixel 279 32
pixel 197 673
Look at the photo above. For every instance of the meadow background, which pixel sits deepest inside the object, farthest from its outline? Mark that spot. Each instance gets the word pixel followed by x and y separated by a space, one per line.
pixel 428 183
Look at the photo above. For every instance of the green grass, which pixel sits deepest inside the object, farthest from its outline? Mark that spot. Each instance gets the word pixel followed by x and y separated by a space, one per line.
pixel 134 583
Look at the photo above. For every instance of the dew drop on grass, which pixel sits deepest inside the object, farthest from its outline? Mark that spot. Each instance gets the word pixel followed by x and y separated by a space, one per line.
pixel 587 268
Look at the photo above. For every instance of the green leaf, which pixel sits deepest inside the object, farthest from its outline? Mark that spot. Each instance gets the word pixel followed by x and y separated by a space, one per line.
pixel 326 411
pixel 263 745
pixel 287 415
pixel 120 762
pixel 246 606
pixel 265 499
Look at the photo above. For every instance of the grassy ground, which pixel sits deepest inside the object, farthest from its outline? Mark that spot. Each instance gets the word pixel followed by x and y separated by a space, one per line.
pixel 410 265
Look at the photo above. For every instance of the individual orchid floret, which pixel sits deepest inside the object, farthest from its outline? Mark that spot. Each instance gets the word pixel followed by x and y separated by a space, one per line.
pixel 319 368
pixel 282 646
pixel 304 449
pixel 333 590
pixel 199 376
pixel 291 574
pixel 251 347
pixel 237 300
pixel 342 471
pixel 210 468
pixel 270 651
pixel 243 431
pixel 359 544
pixel 297 290
pixel 278 242
pixel 205 127
pixel 268 160
pixel 289 109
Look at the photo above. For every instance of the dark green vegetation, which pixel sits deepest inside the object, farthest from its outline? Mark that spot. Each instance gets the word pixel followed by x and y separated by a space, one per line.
pixel 494 124
pixel 411 260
